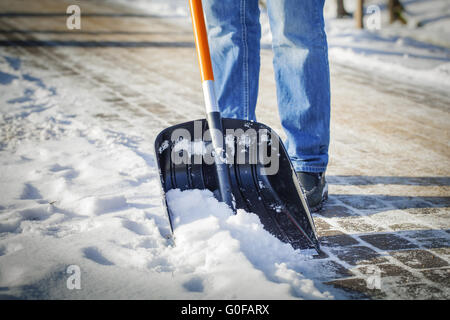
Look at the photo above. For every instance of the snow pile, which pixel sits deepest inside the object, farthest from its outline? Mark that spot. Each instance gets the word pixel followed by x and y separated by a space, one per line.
pixel 81 189
pixel 225 248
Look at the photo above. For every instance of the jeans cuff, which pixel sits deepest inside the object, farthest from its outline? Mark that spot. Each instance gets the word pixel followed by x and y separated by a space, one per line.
pixel 308 168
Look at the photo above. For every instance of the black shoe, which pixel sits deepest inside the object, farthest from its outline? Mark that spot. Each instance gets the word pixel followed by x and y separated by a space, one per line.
pixel 315 187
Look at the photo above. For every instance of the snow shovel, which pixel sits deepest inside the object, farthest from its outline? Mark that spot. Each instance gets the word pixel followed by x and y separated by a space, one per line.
pixel 244 163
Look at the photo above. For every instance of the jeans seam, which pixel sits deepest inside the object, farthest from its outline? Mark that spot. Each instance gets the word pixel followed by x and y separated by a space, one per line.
pixel 245 60
pixel 310 168
pixel 320 26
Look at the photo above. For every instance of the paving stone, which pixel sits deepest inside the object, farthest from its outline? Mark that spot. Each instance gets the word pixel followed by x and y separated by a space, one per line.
pixel 419 259
pixel 439 201
pixel 388 217
pixel 331 269
pixel 336 211
pixel 423 211
pixel 329 233
pixel 388 283
pixel 357 225
pixel 435 243
pixel 388 241
pixel 440 276
pixel 349 180
pixel 337 240
pixel 339 270
pixel 358 287
pixel 362 202
pixel 420 291
pixel 321 225
pixel 410 203
pixel 405 226
pixel 444 252
pixel 355 255
pixel 430 238
pixel 421 234
pixel 397 273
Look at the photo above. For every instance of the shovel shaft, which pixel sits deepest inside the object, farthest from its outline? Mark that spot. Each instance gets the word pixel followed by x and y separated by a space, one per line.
pixel 222 174
pixel 214 117
pixel 201 40
pixel 204 57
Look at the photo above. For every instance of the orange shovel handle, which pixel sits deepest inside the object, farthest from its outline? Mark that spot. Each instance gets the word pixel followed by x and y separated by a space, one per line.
pixel 201 40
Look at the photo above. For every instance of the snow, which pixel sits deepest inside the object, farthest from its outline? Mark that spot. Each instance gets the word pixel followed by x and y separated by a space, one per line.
pixel 213 240
pixel 76 190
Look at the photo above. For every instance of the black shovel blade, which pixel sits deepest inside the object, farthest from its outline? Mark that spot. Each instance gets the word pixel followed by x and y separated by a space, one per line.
pixel 262 176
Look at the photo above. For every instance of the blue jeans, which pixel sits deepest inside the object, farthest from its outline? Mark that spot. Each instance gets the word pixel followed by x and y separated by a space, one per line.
pixel 300 64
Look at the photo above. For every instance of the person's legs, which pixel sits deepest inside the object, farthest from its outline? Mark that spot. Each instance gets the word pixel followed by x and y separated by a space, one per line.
pixel 302 78
pixel 234 34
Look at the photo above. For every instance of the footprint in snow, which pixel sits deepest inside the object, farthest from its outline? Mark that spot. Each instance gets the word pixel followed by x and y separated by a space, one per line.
pixel 135 227
pixel 6 78
pixel 66 171
pixel 40 213
pixel 92 253
pixel 194 285
pixel 30 192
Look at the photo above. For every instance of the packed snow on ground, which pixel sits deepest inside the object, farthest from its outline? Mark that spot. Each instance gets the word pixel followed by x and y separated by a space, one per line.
pixel 76 192
pixel 418 52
